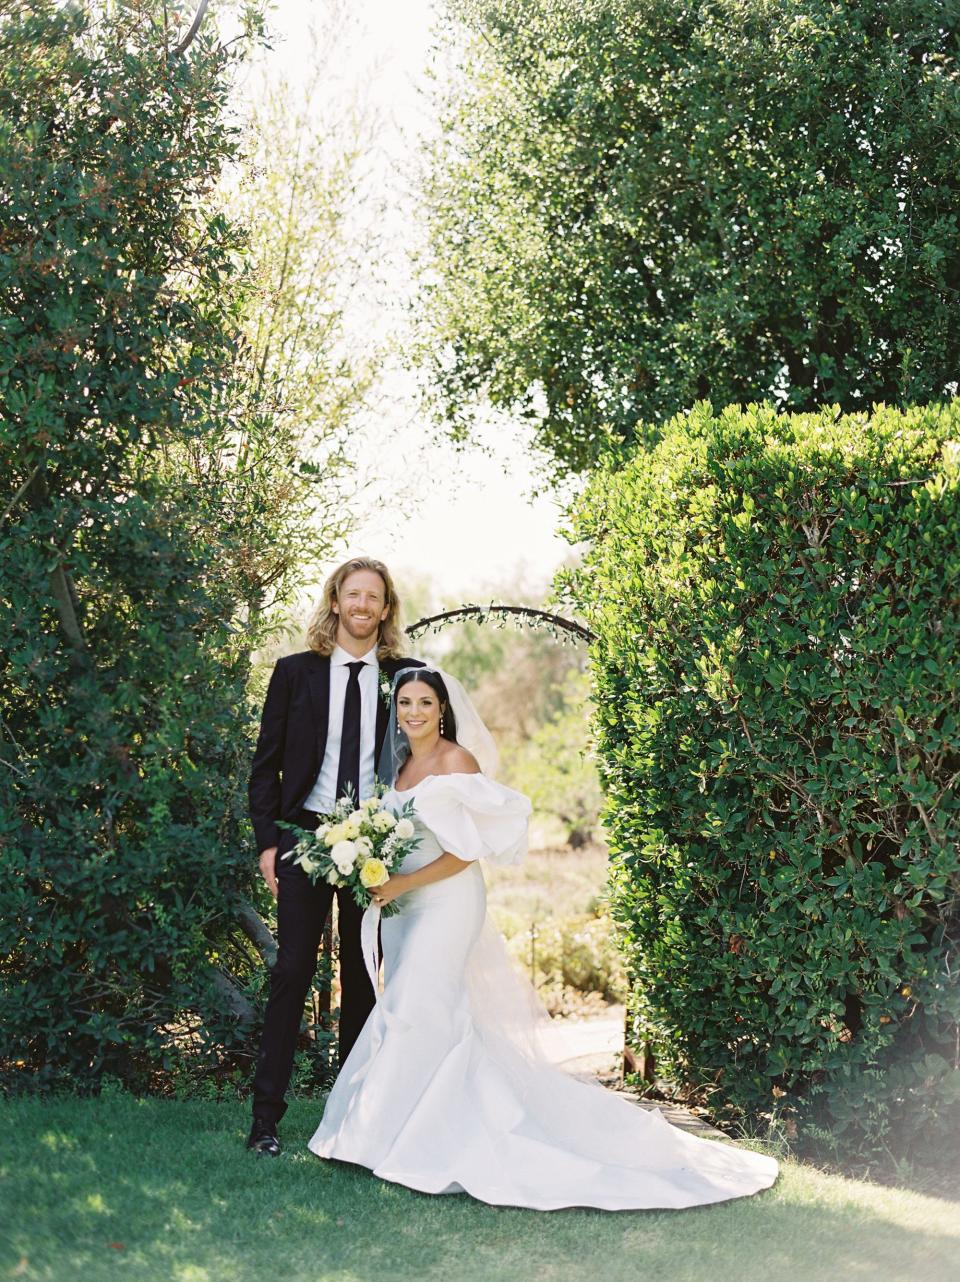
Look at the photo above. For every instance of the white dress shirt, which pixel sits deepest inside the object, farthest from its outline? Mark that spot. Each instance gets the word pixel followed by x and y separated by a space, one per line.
pixel 323 794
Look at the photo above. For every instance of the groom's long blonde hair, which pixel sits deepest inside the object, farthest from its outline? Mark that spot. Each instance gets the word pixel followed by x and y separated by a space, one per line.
pixel 323 623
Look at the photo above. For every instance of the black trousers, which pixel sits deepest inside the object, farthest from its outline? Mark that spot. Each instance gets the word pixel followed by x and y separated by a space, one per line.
pixel 302 911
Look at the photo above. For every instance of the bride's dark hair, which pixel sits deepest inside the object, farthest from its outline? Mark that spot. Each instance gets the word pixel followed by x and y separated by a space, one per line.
pixel 437 684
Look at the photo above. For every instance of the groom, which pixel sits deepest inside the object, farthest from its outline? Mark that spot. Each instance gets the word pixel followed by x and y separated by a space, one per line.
pixel 323 729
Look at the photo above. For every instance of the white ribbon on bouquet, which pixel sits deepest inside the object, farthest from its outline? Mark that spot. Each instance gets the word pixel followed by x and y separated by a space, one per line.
pixel 369 926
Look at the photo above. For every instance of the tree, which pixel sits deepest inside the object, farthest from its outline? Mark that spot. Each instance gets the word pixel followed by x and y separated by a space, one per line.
pixel 154 508
pixel 635 204
pixel 296 198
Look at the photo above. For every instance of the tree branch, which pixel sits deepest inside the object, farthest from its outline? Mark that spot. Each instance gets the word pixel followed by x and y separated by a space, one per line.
pixel 65 599
pixel 257 931
pixel 20 493
pixel 64 593
pixel 238 1003
pixel 189 38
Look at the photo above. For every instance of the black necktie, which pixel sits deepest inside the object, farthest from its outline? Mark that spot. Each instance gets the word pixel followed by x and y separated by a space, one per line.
pixel 348 771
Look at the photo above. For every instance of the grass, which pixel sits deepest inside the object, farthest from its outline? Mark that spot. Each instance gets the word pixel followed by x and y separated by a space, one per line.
pixel 162 1191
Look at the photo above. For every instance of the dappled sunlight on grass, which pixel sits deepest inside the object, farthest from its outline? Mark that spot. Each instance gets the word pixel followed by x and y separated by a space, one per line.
pixel 56 1140
pixel 158 1190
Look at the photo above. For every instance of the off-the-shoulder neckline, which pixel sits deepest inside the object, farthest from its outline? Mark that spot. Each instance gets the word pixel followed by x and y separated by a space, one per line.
pixel 450 774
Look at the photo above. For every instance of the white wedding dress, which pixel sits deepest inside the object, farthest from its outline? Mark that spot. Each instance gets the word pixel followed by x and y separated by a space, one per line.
pixel 445 1090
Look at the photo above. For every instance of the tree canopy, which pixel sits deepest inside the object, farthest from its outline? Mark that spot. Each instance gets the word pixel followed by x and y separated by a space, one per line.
pixel 636 204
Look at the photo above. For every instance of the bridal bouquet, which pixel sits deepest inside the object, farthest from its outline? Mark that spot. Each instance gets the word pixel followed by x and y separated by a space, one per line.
pixel 358 847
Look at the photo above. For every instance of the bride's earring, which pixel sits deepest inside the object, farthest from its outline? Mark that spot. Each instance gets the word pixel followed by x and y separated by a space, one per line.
pixel 399 731
pixel 441 723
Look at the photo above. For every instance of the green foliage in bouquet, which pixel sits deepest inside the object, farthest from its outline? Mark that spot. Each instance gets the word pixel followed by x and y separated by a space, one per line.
pixel 636 204
pixel 150 513
pixel 777 602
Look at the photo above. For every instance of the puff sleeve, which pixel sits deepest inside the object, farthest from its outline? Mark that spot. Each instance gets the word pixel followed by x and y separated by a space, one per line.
pixel 474 817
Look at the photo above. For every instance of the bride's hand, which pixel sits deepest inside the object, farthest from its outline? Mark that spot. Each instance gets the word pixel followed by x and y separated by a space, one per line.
pixel 389 891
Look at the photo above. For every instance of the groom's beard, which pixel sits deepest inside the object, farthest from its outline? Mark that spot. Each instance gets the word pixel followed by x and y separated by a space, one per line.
pixel 362 630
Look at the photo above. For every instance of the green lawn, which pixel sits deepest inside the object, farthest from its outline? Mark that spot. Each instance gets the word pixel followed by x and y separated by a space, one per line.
pixel 118 1188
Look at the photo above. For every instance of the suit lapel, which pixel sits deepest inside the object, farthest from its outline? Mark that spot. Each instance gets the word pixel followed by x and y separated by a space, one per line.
pixel 387 667
pixel 318 677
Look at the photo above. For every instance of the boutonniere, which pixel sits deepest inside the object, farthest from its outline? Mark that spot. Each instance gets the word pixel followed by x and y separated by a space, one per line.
pixel 386 689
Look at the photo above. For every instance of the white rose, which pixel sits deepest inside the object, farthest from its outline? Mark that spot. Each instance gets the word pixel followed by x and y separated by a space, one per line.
pixel 357 817
pixel 404 829
pixel 344 855
pixel 334 834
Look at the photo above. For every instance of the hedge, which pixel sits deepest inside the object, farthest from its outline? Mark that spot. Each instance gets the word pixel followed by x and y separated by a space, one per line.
pixel 777 663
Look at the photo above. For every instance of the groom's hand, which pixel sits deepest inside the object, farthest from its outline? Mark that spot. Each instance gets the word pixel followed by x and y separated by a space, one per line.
pixel 268 867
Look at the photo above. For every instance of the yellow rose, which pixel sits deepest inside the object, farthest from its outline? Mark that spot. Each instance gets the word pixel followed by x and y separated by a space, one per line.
pixel 334 834
pixel 374 873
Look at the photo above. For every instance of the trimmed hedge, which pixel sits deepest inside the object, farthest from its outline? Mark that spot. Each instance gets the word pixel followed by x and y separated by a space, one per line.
pixel 776 600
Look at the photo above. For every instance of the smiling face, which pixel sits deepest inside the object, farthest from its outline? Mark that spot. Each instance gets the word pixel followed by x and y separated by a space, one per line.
pixel 361 605
pixel 418 711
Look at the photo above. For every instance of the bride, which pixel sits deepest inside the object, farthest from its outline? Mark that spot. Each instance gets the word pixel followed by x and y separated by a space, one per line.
pixel 447 1089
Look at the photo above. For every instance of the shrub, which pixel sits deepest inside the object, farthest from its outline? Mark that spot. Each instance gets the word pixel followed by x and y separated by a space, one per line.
pixel 776 602
pixel 570 960
pixel 146 509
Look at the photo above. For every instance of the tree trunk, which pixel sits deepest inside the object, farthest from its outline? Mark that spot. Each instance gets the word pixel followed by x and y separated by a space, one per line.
pixel 257 931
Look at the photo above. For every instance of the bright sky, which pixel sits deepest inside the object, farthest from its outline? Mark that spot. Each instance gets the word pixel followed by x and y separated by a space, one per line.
pixel 463 519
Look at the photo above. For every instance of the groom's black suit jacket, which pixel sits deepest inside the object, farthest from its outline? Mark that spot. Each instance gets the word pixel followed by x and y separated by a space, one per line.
pixel 293 737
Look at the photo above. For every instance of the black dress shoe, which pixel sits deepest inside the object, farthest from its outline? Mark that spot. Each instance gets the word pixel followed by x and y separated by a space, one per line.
pixel 263 1137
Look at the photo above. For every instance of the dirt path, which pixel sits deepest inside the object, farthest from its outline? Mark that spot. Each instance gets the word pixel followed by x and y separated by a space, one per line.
pixel 593 1048
pixel 594 1045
